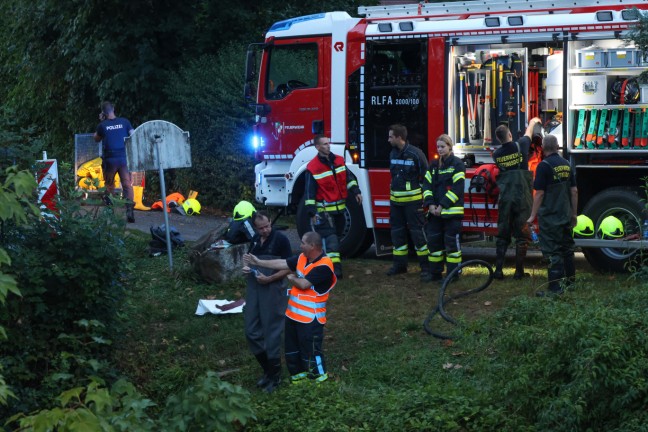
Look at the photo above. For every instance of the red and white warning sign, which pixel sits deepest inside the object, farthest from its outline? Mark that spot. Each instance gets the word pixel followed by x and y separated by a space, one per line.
pixel 47 177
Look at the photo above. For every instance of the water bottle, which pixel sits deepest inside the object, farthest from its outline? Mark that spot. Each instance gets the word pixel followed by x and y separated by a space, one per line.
pixel 534 234
pixel 644 230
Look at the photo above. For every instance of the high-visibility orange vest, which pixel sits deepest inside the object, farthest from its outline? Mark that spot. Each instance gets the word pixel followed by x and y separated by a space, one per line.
pixel 331 186
pixel 304 305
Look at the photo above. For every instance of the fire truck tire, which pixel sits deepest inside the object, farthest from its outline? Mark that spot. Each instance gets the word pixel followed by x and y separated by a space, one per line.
pixel 356 238
pixel 626 205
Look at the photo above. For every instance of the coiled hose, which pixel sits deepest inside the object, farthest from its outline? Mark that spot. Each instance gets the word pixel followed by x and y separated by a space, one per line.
pixel 440 303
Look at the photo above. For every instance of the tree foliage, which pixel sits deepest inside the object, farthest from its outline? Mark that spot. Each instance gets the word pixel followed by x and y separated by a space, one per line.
pixel 60 59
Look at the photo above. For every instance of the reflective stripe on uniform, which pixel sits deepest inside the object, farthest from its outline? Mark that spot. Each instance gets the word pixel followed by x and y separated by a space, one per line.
pixel 436 257
pixel 452 211
pixel 452 196
pixel 400 251
pixel 454 257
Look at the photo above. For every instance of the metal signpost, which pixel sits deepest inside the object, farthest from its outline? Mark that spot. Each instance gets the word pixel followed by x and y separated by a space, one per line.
pixel 160 145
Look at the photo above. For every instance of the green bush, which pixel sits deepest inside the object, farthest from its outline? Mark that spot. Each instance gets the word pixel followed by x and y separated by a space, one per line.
pixel 210 404
pixel 70 275
pixel 569 364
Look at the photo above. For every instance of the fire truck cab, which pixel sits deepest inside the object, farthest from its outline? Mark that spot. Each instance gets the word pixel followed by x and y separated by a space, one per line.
pixel 461 69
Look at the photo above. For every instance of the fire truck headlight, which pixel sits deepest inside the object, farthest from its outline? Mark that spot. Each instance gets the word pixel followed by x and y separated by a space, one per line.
pixel 257 142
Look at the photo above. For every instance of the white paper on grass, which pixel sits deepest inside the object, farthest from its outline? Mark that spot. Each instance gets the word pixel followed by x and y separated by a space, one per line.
pixel 209 306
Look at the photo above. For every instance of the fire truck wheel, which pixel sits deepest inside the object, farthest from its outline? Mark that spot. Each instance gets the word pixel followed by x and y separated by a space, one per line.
pixel 356 238
pixel 624 204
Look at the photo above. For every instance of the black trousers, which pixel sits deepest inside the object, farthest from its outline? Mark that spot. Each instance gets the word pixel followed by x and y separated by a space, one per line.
pixel 304 348
pixel 330 228
pixel 402 217
pixel 443 243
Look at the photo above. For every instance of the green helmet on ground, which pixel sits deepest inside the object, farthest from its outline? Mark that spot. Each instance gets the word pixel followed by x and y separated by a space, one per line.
pixel 611 227
pixel 584 226
pixel 191 206
pixel 243 210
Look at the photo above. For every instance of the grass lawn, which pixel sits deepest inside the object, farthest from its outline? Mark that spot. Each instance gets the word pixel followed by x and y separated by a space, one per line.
pixel 375 345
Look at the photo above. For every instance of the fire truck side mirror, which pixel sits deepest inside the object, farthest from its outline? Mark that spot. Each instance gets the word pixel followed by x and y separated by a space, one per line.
pixel 318 127
pixel 250 66
pixel 248 91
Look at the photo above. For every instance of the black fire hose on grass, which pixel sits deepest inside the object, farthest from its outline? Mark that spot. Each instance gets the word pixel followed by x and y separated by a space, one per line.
pixel 440 303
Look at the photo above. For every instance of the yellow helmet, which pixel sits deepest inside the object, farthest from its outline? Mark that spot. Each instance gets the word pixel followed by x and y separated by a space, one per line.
pixel 191 206
pixel 611 227
pixel 584 226
pixel 243 210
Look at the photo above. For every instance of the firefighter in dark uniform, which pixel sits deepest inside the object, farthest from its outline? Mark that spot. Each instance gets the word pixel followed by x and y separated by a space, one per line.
pixel 555 203
pixel 327 185
pixel 515 198
pixel 443 194
pixel 407 165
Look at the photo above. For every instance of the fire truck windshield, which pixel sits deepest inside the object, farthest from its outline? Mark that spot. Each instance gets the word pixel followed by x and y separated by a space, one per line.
pixel 291 67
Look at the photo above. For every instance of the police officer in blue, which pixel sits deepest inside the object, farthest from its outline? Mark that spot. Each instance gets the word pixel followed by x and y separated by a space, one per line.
pixel 112 132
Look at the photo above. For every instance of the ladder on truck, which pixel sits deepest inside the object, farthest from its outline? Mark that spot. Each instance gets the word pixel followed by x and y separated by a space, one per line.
pixel 477 8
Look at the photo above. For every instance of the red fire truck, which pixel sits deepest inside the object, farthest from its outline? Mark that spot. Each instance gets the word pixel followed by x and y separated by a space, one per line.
pixel 462 69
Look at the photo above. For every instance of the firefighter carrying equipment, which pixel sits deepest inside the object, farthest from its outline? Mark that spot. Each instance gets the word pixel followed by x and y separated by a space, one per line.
pixel 191 207
pixel 584 226
pixel 306 305
pixel 624 91
pixel 611 227
pixel 138 193
pixel 177 198
pixel 243 210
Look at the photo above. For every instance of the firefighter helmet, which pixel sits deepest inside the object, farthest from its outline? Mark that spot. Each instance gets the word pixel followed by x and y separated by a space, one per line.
pixel 191 206
pixel 584 226
pixel 243 210
pixel 611 227
pixel 624 91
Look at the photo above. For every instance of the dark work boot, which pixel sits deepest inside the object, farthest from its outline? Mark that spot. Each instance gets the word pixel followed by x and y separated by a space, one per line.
pixel 130 214
pixel 425 271
pixel 555 276
pixel 262 358
pixel 520 255
pixel 107 200
pixel 499 262
pixel 274 375
pixel 337 269
pixel 570 271
pixel 396 269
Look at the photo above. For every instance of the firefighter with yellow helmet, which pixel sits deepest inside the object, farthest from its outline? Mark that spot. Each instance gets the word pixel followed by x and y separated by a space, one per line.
pixel 240 230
